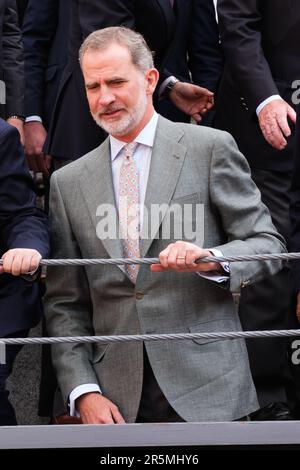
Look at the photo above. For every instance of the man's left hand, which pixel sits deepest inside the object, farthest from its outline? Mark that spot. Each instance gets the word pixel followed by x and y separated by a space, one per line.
pixel 193 100
pixel 181 257
pixel 20 261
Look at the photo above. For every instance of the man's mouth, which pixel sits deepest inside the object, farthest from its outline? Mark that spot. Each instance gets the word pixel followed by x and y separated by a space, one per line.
pixel 110 113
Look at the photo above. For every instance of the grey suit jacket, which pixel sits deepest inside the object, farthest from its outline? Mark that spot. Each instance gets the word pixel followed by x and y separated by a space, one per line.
pixel 202 379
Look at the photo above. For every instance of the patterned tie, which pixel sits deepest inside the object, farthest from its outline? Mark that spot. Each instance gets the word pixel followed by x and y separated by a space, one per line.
pixel 129 214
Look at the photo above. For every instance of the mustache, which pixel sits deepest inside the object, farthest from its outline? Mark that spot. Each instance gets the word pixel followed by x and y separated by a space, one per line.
pixel 109 109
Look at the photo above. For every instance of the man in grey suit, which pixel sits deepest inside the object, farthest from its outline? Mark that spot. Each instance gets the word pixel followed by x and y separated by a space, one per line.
pixel 175 167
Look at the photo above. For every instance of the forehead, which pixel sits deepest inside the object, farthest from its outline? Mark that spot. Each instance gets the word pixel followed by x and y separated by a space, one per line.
pixel 110 60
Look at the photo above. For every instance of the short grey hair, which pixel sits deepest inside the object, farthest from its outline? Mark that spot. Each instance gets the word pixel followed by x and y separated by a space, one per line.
pixel 99 40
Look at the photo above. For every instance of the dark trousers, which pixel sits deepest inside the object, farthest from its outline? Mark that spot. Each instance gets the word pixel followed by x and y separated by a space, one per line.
pixel 267 304
pixel 154 407
pixel 7 412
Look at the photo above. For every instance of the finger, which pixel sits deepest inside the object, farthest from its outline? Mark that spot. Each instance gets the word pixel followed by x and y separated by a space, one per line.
pixel 7 262
pixel 284 125
pixel 172 257
pixel 197 117
pixel 48 160
pixel 180 259
pixel 31 163
pixel 190 259
pixel 292 114
pixel 25 264
pixel 207 266
pixel 41 163
pixel 16 265
pixel 118 418
pixel 34 262
pixel 163 256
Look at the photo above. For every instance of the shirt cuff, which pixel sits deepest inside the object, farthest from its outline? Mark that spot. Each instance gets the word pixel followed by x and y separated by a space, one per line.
pixel 214 275
pixel 164 84
pixel 267 101
pixel 77 392
pixel 33 118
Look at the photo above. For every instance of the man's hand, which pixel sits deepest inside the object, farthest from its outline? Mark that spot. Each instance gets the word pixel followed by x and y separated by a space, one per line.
pixel 20 261
pixel 298 307
pixel 181 256
pixel 94 408
pixel 18 124
pixel 273 121
pixel 193 100
pixel 35 136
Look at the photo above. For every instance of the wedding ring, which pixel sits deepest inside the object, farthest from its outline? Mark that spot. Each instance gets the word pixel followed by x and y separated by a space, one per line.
pixel 180 257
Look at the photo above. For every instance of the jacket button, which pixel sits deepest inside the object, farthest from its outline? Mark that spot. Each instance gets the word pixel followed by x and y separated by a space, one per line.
pixel 139 295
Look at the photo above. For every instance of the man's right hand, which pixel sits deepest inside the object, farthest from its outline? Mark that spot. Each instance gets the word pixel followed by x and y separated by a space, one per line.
pixel 35 136
pixel 273 121
pixel 94 408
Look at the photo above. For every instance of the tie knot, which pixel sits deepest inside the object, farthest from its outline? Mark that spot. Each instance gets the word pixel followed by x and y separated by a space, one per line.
pixel 129 149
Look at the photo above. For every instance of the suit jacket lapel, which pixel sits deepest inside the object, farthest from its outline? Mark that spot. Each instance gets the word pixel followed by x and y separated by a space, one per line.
pixel 97 188
pixel 166 163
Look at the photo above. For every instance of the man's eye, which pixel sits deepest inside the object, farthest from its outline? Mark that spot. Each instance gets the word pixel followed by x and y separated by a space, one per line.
pixel 118 82
pixel 92 87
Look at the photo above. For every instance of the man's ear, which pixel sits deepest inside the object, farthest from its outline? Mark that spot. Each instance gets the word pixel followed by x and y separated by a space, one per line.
pixel 152 76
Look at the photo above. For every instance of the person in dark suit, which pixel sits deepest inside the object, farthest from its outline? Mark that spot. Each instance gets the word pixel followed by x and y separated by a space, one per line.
pixel 24 240
pixel 11 66
pixel 45 38
pixel 22 5
pixel 156 20
pixel 259 40
pixel 194 55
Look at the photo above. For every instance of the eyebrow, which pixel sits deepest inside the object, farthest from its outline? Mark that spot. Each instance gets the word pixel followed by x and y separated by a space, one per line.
pixel 111 80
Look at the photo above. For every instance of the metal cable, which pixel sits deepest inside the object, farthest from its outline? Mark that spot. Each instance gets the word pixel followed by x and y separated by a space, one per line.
pixel 211 259
pixel 153 337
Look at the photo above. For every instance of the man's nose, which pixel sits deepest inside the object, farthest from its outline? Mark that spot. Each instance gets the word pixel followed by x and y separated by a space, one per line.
pixel 106 97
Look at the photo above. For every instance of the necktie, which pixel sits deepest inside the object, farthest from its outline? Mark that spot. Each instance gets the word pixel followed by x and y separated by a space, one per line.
pixel 129 209
pixel 172 3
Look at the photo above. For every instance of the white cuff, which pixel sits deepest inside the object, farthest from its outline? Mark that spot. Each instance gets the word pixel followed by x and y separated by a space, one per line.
pixel 164 84
pixel 216 276
pixel 33 118
pixel 267 101
pixel 77 392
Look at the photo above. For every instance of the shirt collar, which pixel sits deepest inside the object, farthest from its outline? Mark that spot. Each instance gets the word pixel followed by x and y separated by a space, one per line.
pixel 145 137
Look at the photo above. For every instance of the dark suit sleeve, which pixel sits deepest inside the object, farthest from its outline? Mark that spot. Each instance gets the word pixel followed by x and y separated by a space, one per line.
pixel 204 51
pixel 39 27
pixel 240 24
pixel 22 224
pixel 295 208
pixel 13 65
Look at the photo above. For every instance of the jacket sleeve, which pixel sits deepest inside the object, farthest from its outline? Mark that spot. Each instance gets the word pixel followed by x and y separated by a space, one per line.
pixel 13 64
pixel 240 24
pixel 204 52
pixel 22 224
pixel 39 27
